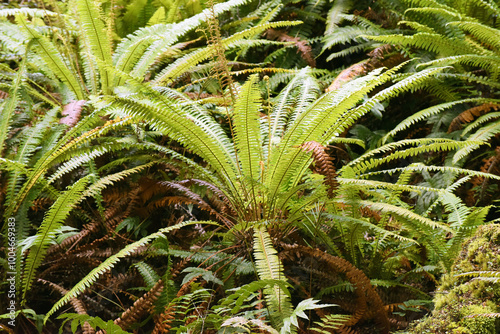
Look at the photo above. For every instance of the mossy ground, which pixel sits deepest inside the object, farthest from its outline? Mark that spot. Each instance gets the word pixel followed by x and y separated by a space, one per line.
pixel 459 300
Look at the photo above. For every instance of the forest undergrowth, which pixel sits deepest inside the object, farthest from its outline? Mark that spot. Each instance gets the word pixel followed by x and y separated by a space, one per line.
pixel 272 166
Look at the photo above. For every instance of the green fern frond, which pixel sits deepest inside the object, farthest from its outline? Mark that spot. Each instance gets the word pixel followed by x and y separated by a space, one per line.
pixel 247 131
pixel 367 160
pixel 11 165
pixel 334 16
pixel 110 263
pixel 140 50
pixel 110 179
pixel 32 12
pixel 349 34
pixel 81 157
pixel 94 28
pixel 480 121
pixel 52 221
pixel 431 42
pixel 442 13
pixel 408 83
pixel 168 117
pixel 434 110
pixel 420 168
pixel 488 62
pixel 385 185
pixel 464 221
pixel 183 64
pixel 283 103
pixel 362 164
pixel 428 3
pixel 30 142
pixel 149 275
pixel 483 33
pixel 324 120
pixel 330 322
pixel 406 214
pixel 484 275
pixel 482 135
pixel 10 104
pixel 417 26
pixel 369 226
pixel 58 151
pixel 52 58
pixel 269 267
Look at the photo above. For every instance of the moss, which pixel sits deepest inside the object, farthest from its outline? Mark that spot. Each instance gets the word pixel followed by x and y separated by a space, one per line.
pixel 457 299
pixel 478 324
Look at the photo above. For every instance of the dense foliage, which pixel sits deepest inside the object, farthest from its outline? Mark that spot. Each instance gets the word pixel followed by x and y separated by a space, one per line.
pixel 187 166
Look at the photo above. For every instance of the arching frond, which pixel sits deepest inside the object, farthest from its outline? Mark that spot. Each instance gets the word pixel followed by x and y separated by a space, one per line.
pixel 269 267
pixel 53 220
pixel 48 52
pixel 434 110
pixel 141 49
pixel 432 42
pixel 483 33
pixel 247 132
pixel 33 12
pixel 181 65
pixel 8 106
pixel 482 135
pixel 110 263
pixel 98 41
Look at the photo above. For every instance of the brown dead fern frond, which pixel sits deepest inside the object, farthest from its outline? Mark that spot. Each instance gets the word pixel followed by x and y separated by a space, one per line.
pixel 349 74
pixel 302 46
pixel 41 204
pixel 141 306
pixel 163 323
pixel 367 297
pixel 75 302
pixel 323 165
pixel 72 241
pixel 468 115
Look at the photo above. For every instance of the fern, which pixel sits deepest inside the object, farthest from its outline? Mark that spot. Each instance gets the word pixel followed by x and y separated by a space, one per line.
pixel 48 52
pixel 109 263
pixel 269 267
pixel 426 113
pixel 53 220
pixel 139 51
pixel 9 105
pixel 93 28
pixel 247 132
pixel 94 322
pixel 33 12
pixel 148 274
pixel 181 65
